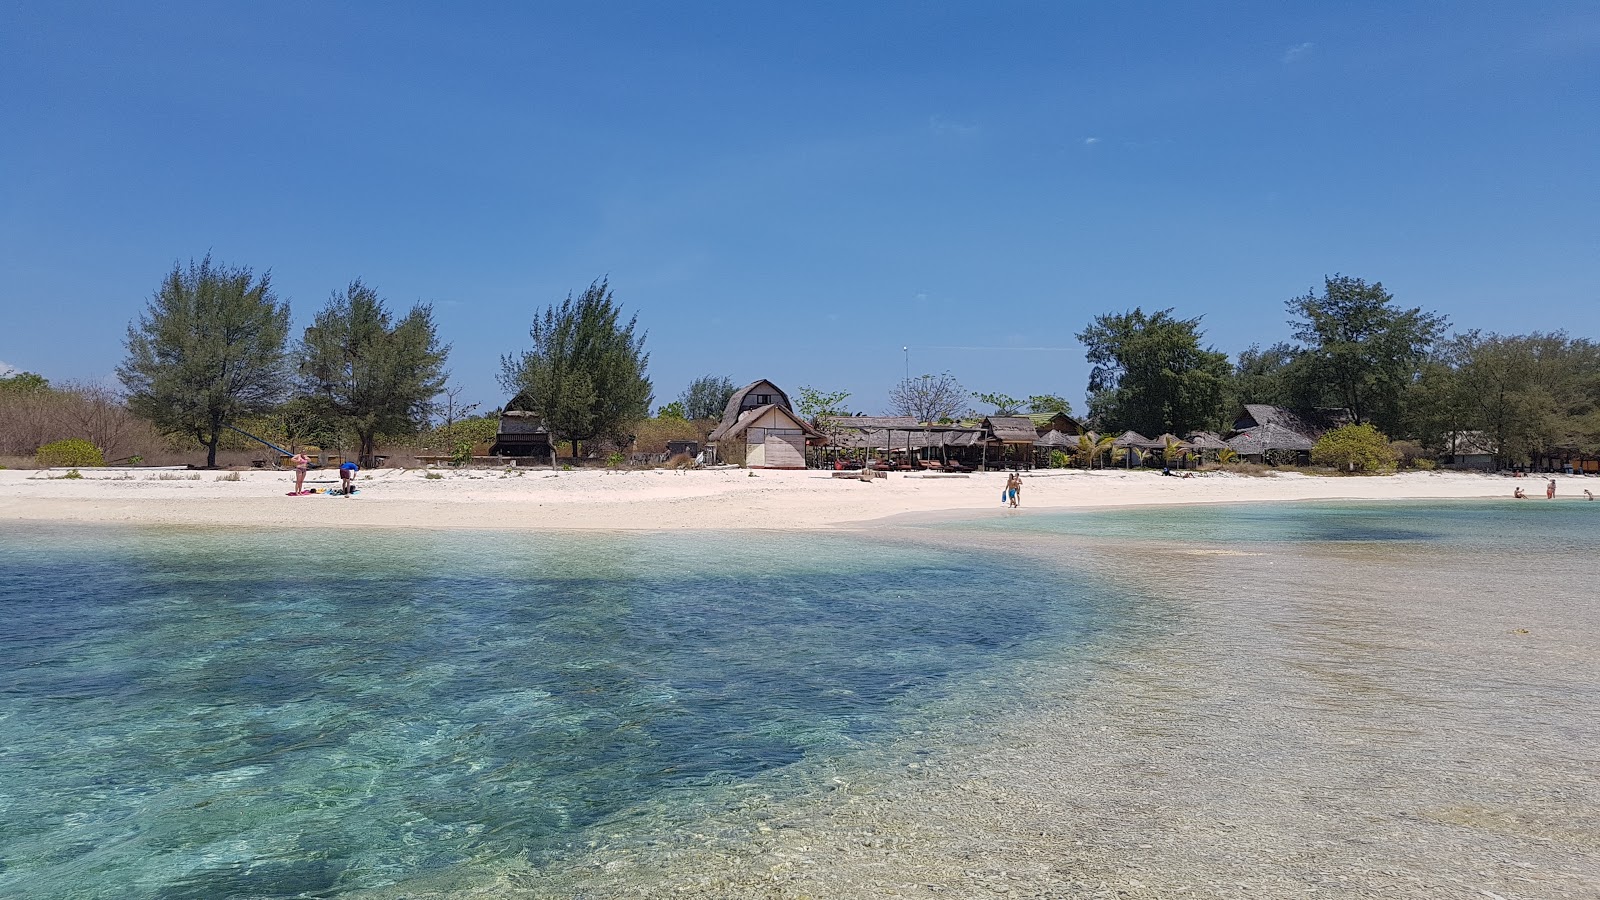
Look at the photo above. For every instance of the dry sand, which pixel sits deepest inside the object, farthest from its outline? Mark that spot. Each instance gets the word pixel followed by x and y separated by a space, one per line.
pixel 664 500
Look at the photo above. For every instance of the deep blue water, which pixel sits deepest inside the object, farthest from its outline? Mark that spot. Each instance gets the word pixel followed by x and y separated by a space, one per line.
pixel 189 713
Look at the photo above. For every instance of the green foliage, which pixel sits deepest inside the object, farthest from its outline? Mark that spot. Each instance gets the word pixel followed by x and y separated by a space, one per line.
pixel 69 452
pixel 1092 450
pixel 1004 404
pixel 1523 393
pixel 1354 448
pixel 208 349
pixel 1227 455
pixel 72 473
pixel 707 397
pixel 1361 351
pixel 614 460
pixel 462 453
pixel 23 383
pixel 1049 403
pixel 433 476
pixel 586 372
pixel 1059 460
pixel 673 410
pixel 814 404
pixel 1424 464
pixel 369 373
pixel 1150 374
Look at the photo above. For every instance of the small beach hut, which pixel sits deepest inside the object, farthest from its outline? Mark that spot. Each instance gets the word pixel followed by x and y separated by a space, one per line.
pixel 1176 443
pixel 1203 442
pixel 1133 441
pixel 1054 440
pixel 1271 442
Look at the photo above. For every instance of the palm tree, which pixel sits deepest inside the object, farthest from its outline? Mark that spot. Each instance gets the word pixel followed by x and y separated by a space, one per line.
pixel 1173 449
pixel 1091 449
pixel 1227 455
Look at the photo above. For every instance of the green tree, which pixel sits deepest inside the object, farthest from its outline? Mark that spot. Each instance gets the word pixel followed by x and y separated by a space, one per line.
pixel 707 397
pixel 208 349
pixel 1354 448
pixel 673 410
pixel 23 383
pixel 1360 349
pixel 586 372
pixel 369 373
pixel 1004 404
pixel 1093 449
pixel 1526 393
pixel 1050 404
pixel 1150 374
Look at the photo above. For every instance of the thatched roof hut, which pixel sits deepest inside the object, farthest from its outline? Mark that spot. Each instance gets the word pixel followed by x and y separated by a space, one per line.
pixel 1172 439
pixel 1206 440
pixel 1055 440
pixel 1135 440
pixel 1011 429
pixel 1265 438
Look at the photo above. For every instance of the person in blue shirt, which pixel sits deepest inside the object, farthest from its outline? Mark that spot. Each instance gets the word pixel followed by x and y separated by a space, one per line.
pixel 347 477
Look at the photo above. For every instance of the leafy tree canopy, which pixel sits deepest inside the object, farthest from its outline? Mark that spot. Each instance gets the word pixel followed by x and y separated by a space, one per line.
pixel 1361 350
pixel 23 383
pixel 369 373
pixel 1050 404
pixel 1004 404
pixel 707 397
pixel 1149 373
pixel 1354 448
pixel 673 410
pixel 208 349
pixel 585 374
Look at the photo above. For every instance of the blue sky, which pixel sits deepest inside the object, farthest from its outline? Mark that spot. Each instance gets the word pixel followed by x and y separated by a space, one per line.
pixel 798 191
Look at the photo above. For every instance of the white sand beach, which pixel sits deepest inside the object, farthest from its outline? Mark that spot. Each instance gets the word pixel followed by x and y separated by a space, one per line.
pixel 665 500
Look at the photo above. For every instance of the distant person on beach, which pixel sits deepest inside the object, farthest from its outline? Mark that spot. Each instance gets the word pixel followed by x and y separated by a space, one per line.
pixel 1587 495
pixel 1014 489
pixel 1550 490
pixel 1519 493
pixel 347 477
pixel 301 463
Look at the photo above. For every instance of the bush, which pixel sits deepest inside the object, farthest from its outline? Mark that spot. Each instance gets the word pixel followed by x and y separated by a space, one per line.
pixel 1354 448
pixel 69 452
pixel 73 473
pixel 1410 454
pixel 1059 460
pixel 1424 465
pixel 614 460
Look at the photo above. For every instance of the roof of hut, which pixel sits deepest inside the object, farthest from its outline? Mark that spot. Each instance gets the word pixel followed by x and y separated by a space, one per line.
pixel 1135 439
pixel 1310 422
pixel 1055 438
pixel 1012 429
pixel 1170 438
pixel 1271 436
pixel 871 422
pixel 727 429
pixel 1206 440
pixel 731 412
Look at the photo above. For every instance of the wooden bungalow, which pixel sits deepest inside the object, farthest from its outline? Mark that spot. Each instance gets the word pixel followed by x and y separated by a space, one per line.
pixel 521 433
pixel 1203 442
pixel 760 430
pixel 1009 437
pixel 1044 423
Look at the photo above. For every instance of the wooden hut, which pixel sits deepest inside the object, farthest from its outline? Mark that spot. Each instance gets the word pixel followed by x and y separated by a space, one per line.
pixel 759 430
pixel 521 433
pixel 1203 442
pixel 1272 443
pixel 1009 436
pixel 1134 443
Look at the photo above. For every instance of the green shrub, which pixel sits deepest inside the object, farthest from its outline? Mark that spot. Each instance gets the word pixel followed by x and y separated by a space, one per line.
pixel 1354 448
pixel 1059 460
pixel 69 452
pixel 1424 465
pixel 462 453
pixel 73 473
pixel 433 476
pixel 614 460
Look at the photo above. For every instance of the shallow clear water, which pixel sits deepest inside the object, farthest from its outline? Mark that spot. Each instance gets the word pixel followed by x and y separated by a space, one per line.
pixel 187 713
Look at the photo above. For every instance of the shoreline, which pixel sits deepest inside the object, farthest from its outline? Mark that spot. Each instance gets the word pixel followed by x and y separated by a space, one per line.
pixel 661 500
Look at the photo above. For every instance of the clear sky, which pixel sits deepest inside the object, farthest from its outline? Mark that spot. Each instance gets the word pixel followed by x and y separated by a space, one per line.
pixel 797 191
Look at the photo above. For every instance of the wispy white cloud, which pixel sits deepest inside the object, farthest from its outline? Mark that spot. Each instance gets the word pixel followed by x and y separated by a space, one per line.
pixel 1090 141
pixel 7 369
pixel 941 125
pixel 1296 53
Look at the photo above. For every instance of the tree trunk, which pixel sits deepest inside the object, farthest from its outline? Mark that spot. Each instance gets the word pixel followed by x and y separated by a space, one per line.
pixel 368 449
pixel 211 447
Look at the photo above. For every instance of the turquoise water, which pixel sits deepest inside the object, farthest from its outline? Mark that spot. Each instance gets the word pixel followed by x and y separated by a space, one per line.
pixel 189 713
pixel 214 714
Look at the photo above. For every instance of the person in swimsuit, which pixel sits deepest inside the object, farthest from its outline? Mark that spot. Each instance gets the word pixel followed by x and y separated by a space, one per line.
pixel 301 463
pixel 1550 490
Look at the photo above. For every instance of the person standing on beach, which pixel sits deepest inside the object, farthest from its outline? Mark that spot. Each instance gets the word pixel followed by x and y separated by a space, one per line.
pixel 301 463
pixel 1550 490
pixel 1014 489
